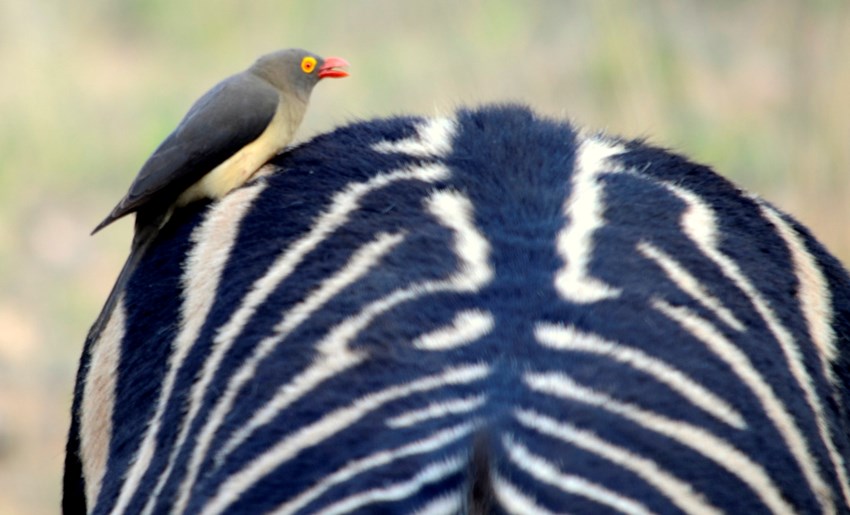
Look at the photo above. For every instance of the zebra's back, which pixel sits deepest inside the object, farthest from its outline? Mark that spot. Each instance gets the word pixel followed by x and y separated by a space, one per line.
pixel 491 312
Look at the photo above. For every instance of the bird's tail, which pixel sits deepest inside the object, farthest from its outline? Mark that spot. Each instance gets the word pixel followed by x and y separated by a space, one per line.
pixel 115 214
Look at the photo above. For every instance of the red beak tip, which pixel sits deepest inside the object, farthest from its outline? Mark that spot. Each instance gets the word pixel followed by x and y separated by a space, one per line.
pixel 331 68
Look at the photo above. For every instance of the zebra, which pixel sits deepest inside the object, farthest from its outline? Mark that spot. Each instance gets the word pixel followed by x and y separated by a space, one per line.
pixel 486 312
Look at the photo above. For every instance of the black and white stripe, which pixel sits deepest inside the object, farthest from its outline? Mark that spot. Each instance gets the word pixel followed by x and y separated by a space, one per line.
pixel 491 312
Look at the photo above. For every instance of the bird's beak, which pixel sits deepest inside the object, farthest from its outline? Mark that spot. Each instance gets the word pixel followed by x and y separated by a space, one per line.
pixel 331 68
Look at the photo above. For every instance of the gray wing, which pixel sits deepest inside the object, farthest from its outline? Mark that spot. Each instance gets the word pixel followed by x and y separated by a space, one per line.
pixel 228 117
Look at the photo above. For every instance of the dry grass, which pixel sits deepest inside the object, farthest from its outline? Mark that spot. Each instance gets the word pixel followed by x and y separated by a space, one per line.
pixel 87 90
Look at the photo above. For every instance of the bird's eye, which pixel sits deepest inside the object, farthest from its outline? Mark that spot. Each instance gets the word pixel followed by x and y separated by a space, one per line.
pixel 308 64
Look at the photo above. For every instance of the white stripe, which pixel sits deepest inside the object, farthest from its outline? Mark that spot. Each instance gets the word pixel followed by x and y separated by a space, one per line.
pixel 330 424
pixel 741 365
pixel 689 284
pixel 700 224
pixel 515 501
pixel 437 410
pixel 467 327
pixel 434 442
pixel 363 260
pixel 584 211
pixel 569 338
pixel 399 490
pixel 449 503
pixel 545 472
pixel 213 239
pixel 455 211
pixel 334 356
pixel 433 139
pixel 98 402
pixel 814 294
pixel 696 438
pixel 342 205
pixel 815 299
pixel 676 490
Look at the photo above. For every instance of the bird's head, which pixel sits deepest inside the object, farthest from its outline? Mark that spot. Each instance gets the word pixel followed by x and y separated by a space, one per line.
pixel 298 71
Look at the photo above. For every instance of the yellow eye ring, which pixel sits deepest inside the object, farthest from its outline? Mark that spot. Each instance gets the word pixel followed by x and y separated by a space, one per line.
pixel 308 64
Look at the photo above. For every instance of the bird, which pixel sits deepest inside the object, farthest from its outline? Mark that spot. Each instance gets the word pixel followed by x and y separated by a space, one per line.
pixel 227 135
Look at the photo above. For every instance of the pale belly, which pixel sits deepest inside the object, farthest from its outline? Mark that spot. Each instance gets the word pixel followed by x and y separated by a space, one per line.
pixel 242 165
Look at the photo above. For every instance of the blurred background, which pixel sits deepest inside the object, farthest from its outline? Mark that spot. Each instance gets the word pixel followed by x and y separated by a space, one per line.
pixel 88 89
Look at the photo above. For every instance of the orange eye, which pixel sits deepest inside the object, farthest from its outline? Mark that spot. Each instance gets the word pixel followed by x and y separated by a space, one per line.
pixel 308 64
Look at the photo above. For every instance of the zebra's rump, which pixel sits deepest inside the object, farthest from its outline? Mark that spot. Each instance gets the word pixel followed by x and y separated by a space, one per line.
pixel 492 312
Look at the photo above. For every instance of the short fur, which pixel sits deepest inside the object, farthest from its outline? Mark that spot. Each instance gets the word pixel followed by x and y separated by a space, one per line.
pixel 370 236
